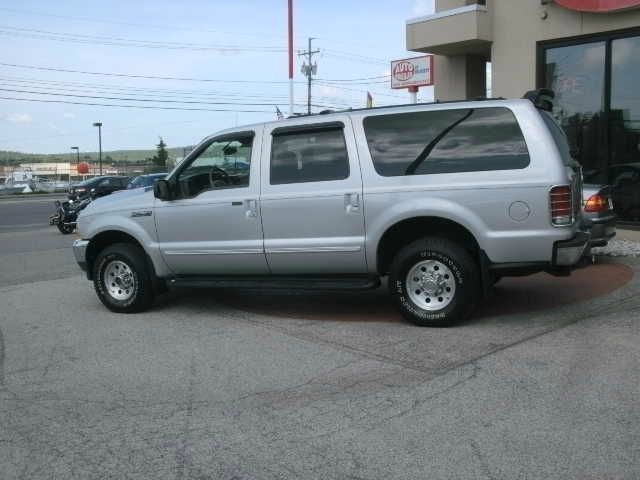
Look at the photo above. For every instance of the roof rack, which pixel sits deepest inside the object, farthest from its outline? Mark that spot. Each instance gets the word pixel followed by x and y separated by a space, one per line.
pixel 435 102
pixel 542 98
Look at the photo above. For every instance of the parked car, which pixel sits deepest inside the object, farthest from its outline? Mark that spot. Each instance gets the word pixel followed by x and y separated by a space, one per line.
pixel 97 186
pixel 145 180
pixel 440 198
pixel 624 179
pixel 598 215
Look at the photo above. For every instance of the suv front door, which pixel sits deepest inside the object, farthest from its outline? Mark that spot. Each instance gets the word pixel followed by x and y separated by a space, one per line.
pixel 212 226
pixel 312 214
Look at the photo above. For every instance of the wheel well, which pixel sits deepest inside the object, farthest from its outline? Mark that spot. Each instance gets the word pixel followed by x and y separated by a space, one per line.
pixel 102 241
pixel 406 231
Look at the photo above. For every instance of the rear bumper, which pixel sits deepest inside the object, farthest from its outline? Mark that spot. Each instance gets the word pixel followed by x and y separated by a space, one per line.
pixel 567 253
pixel 602 229
pixel 80 252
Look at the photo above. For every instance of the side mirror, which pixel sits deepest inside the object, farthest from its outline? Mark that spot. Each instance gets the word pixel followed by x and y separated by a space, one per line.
pixel 162 190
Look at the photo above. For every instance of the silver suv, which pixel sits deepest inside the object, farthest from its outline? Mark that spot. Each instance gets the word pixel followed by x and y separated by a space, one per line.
pixel 443 199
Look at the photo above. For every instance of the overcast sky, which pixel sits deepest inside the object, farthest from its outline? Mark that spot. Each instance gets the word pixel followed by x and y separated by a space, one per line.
pixel 239 40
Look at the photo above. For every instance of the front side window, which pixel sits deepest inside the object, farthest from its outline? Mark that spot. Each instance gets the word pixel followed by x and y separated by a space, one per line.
pixel 309 156
pixel 446 141
pixel 105 183
pixel 223 164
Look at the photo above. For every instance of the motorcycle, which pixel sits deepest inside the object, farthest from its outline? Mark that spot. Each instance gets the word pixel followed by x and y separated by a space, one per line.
pixel 66 214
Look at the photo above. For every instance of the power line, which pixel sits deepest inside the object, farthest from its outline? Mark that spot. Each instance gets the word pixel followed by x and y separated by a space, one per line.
pixel 147 77
pixel 128 88
pixel 347 80
pixel 144 25
pixel 338 87
pixel 149 107
pixel 203 96
pixel 127 42
pixel 146 100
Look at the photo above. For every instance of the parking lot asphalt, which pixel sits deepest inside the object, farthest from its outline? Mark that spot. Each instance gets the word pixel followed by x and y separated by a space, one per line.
pixel 543 383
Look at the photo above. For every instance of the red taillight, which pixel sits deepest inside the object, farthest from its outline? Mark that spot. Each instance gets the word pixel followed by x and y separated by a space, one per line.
pixel 561 205
pixel 596 204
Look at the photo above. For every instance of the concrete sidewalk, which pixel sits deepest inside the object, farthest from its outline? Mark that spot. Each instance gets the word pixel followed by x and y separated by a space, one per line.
pixel 631 235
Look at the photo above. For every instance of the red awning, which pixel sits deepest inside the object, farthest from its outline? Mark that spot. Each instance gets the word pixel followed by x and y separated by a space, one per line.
pixel 599 6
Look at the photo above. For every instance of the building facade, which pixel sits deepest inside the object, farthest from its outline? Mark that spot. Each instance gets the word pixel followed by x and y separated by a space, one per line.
pixel 587 51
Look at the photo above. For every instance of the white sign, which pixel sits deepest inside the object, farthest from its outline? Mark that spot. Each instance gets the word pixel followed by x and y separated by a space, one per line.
pixel 412 72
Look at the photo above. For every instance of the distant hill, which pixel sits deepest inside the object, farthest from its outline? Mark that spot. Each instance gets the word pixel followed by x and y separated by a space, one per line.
pixel 116 156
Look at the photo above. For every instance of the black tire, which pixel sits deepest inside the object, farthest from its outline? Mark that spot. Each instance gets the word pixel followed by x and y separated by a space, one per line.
pixel 65 229
pixel 138 278
pixel 466 284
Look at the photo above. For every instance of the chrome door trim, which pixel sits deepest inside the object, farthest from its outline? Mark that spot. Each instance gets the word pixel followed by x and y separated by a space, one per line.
pixel 356 248
pixel 214 252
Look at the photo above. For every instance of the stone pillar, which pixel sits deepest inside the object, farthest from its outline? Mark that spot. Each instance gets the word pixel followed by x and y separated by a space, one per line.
pixel 460 77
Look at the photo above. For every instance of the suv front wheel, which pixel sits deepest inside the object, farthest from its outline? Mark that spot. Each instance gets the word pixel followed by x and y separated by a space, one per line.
pixel 434 282
pixel 122 278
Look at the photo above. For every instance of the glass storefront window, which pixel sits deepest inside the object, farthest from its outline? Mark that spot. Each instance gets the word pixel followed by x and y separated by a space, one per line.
pixel 624 171
pixel 576 74
pixel 598 106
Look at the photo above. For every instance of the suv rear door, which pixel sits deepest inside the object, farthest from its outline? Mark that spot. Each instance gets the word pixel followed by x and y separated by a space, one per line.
pixel 311 199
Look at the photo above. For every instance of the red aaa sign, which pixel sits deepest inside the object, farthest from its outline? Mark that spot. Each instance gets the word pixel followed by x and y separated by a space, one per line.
pixel 599 6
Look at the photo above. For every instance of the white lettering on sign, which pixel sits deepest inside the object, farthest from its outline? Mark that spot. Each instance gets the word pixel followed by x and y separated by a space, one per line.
pixel 412 72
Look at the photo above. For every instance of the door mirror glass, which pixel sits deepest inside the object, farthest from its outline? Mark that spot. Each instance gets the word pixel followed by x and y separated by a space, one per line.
pixel 162 190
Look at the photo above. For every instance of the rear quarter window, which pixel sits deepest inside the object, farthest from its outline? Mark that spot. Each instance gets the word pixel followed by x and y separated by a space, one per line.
pixel 446 141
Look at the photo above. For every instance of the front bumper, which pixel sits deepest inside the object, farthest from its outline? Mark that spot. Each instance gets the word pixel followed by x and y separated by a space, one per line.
pixel 569 252
pixel 80 252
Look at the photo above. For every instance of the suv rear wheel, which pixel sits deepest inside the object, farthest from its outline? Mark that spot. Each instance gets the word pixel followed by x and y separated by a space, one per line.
pixel 122 278
pixel 434 282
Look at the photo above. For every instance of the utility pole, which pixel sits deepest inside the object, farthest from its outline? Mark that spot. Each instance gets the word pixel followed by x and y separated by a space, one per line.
pixel 290 53
pixel 309 69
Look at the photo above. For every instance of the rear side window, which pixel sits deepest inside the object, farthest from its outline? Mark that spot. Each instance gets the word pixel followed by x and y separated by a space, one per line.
pixel 309 156
pixel 446 141
pixel 559 137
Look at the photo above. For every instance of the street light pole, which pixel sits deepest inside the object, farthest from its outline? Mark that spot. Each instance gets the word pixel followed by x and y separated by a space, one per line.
pixel 77 149
pixel 99 125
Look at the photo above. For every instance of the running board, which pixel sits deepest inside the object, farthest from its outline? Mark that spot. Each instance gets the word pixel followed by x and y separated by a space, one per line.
pixel 284 282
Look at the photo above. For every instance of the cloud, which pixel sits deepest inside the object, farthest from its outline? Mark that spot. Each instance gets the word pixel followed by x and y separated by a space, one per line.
pixel 423 7
pixel 69 115
pixel 57 129
pixel 19 118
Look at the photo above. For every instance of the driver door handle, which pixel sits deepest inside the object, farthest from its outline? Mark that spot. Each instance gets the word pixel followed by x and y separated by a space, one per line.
pixel 251 208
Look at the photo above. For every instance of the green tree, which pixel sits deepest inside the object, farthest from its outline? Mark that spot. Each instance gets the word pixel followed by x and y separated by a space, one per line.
pixel 161 156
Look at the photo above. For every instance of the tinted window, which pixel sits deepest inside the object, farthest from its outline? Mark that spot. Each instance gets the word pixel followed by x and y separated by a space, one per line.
pixel 451 141
pixel 311 156
pixel 571 72
pixel 559 137
pixel 222 164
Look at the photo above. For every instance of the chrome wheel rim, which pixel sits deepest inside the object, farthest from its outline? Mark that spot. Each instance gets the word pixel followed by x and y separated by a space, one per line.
pixel 431 285
pixel 119 280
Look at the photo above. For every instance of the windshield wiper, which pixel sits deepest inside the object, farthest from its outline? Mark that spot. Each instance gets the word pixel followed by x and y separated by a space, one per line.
pixel 413 166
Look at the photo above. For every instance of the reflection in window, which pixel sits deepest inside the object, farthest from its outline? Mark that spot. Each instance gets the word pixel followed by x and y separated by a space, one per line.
pixel 447 141
pixel 577 76
pixel 624 173
pixel 312 156
pixel 222 164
